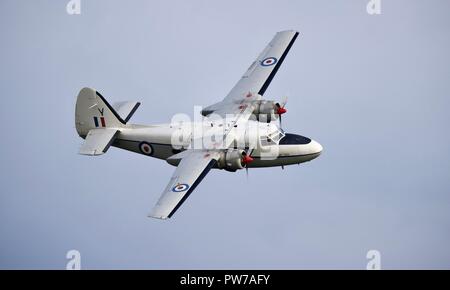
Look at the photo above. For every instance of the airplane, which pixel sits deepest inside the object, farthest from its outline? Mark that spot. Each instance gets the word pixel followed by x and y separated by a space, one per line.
pixel 239 132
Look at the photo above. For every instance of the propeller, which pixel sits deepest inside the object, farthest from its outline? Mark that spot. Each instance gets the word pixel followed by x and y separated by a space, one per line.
pixel 246 159
pixel 280 108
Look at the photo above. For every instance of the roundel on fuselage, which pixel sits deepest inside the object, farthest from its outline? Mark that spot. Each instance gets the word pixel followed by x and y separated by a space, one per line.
pixel 146 148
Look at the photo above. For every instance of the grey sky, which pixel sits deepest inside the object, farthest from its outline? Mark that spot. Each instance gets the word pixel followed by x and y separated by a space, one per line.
pixel 373 90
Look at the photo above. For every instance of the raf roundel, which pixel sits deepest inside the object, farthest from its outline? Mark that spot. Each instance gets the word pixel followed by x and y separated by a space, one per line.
pixel 269 61
pixel 180 187
pixel 146 148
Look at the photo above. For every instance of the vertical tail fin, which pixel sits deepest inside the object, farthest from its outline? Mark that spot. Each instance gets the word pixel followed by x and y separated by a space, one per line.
pixel 92 111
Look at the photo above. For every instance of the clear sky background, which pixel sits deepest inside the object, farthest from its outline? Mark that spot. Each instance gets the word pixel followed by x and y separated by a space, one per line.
pixel 372 89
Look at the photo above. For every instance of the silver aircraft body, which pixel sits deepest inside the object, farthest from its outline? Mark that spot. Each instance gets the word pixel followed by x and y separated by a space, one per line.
pixel 239 132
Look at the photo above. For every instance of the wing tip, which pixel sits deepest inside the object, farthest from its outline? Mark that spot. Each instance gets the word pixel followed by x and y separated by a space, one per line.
pixel 90 152
pixel 289 31
pixel 156 216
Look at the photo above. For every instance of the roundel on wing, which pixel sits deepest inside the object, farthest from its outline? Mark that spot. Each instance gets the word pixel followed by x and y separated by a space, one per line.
pixel 180 187
pixel 146 148
pixel 269 61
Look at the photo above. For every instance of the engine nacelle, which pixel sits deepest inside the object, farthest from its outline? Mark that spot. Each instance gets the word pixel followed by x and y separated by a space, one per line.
pixel 265 111
pixel 231 160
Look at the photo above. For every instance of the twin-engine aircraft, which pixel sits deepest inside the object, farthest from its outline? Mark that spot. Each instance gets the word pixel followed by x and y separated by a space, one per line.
pixel 240 132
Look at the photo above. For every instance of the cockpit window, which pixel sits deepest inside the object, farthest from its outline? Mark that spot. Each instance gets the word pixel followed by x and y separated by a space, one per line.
pixel 275 136
pixel 272 139
pixel 292 139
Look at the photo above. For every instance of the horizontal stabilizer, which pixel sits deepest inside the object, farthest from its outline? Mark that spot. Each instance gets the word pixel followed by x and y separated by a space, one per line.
pixel 98 141
pixel 126 109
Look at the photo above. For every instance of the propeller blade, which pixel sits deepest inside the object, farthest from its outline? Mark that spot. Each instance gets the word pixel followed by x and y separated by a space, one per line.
pixel 246 159
pixel 284 101
pixel 280 109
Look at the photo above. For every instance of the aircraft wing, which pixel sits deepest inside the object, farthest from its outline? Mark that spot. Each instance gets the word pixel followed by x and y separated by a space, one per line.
pixel 192 168
pixel 258 76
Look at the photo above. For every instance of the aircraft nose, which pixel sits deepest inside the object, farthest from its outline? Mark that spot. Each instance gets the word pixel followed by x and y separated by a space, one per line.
pixel 316 147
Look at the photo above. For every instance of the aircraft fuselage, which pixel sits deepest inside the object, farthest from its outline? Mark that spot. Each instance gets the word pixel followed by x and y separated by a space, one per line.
pixel 157 141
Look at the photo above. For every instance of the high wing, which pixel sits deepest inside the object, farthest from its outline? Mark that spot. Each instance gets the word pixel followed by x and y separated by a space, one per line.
pixel 240 104
pixel 192 168
pixel 258 76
